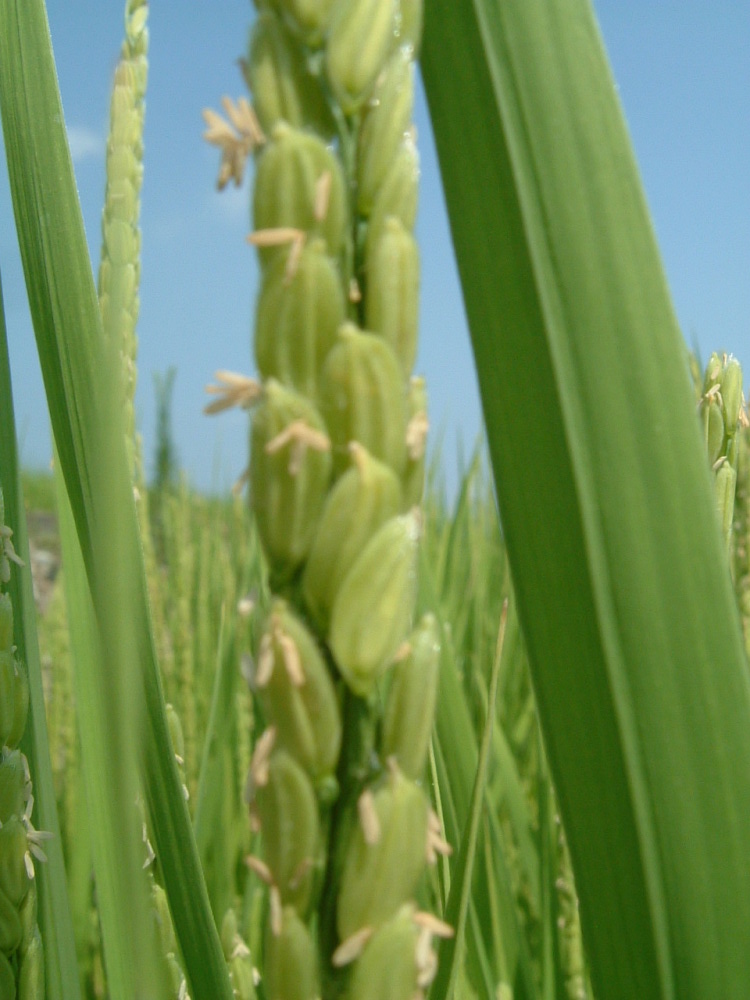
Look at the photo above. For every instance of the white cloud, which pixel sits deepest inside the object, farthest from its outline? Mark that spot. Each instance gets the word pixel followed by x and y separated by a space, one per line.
pixel 85 143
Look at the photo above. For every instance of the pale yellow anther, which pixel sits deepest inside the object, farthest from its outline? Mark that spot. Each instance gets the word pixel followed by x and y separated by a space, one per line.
pixel 394 771
pixel 236 143
pixel 218 131
pixel 358 455
pixel 322 196
pixel 300 436
pixel 416 435
pixel 239 949
pixel 260 868
pixel 425 959
pixel 6 548
pixel 368 817
pixel 34 847
pixel 296 457
pixel 232 166
pixel 35 839
pixel 293 260
pixel 277 237
pixel 150 853
pixel 233 389
pixel 265 662
pixel 244 119
pixel 713 394
pixel 261 757
pixel 355 292
pixel 235 379
pixel 276 911
pixel 432 924
pixel 351 948
pixel 292 660
pixel 436 844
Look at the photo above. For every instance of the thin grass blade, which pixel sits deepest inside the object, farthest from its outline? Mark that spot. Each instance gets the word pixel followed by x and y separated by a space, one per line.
pixel 113 823
pixel 55 921
pixel 456 759
pixel 457 911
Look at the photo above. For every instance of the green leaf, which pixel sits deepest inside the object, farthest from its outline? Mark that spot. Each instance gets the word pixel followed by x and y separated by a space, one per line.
pixel 80 373
pixel 456 761
pixel 54 918
pixel 459 901
pixel 110 794
pixel 213 834
pixel 623 589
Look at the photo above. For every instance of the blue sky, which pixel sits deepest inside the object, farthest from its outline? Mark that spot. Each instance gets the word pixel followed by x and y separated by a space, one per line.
pixel 684 79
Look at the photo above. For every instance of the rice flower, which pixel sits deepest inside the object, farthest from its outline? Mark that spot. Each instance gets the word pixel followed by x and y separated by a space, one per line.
pixel 345 682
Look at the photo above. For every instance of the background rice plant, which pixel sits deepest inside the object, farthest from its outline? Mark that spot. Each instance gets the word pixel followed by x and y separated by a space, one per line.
pixel 645 744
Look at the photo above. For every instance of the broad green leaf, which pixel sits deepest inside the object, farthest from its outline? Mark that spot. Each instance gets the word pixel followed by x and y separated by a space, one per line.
pixel 54 918
pixel 79 373
pixel 623 590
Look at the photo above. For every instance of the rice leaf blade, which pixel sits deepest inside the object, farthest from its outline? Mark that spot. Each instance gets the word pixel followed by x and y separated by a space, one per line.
pixel 55 921
pixel 459 900
pixel 623 591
